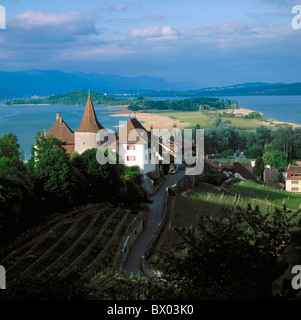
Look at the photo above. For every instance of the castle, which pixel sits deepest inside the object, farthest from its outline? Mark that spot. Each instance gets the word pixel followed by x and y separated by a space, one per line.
pixel 134 152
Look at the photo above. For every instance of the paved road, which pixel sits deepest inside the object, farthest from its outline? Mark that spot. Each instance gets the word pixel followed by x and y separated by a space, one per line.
pixel 156 210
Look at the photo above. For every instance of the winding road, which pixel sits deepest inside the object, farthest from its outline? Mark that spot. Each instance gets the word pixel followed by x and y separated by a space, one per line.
pixel 138 249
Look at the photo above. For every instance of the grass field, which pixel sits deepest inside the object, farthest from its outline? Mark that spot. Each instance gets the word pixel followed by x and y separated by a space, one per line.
pixel 240 160
pixel 277 197
pixel 205 119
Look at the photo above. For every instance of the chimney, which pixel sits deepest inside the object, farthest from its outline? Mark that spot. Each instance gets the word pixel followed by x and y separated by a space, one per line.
pixel 58 115
pixel 44 132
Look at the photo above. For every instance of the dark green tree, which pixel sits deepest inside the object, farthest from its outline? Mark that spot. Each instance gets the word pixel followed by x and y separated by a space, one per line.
pixel 258 168
pixel 232 256
pixel 54 179
pixel 9 146
pixel 17 203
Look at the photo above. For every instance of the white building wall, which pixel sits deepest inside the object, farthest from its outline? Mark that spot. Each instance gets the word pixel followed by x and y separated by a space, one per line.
pixel 289 185
pixel 85 141
pixel 142 157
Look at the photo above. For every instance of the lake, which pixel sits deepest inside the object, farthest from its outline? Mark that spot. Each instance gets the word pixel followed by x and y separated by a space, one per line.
pixel 25 120
pixel 281 108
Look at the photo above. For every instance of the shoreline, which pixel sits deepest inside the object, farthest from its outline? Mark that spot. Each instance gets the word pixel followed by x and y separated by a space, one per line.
pixel 163 122
pixel 154 119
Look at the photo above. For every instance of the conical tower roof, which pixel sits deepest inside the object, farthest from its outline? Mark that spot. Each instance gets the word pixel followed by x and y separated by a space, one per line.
pixel 89 122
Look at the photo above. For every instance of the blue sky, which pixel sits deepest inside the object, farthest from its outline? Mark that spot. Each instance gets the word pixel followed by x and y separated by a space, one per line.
pixel 213 42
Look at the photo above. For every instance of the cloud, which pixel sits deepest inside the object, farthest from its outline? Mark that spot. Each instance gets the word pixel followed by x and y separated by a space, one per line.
pixel 278 2
pixel 154 17
pixel 154 33
pixel 239 34
pixel 65 23
pixel 36 27
pixel 111 7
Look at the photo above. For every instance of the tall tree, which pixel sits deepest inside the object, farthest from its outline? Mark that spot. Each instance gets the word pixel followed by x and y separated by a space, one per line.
pixel 258 168
pixel 55 180
pixel 9 146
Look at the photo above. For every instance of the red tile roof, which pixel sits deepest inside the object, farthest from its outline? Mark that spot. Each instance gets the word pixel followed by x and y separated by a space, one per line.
pixel 294 169
pixel 89 122
pixel 244 172
pixel 133 125
pixel 61 131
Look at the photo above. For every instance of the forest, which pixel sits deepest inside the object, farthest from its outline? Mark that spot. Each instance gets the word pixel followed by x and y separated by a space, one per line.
pixel 284 142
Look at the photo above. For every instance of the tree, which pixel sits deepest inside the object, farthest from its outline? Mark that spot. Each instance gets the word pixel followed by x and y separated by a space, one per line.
pixel 267 158
pixel 258 168
pixel 280 177
pixel 279 159
pixel 252 152
pixel 16 198
pixel 103 180
pixel 228 153
pixel 232 256
pixel 55 180
pixel 44 144
pixel 9 146
pixel 283 140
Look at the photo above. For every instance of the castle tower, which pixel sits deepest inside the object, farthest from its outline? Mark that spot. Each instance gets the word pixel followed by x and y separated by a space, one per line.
pixel 85 135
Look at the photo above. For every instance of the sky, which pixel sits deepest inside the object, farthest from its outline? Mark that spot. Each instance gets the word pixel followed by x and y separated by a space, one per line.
pixel 214 42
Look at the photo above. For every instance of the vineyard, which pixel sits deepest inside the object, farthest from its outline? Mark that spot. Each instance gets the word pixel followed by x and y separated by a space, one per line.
pixel 186 209
pixel 89 242
pixel 276 197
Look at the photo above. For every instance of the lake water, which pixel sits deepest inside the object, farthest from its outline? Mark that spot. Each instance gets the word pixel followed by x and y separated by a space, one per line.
pixel 281 108
pixel 25 121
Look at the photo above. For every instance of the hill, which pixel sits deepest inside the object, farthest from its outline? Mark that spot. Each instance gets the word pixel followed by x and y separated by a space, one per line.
pixel 42 83
pixel 250 89
pixel 72 98
pixel 80 98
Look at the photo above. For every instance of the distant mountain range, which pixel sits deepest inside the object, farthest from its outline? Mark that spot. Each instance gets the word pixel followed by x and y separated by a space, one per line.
pixel 25 84
pixel 251 89
pixel 44 83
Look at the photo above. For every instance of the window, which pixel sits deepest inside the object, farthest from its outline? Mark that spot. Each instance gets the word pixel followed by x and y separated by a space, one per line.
pixel 131 158
pixel 295 182
pixel 129 147
pixel 295 189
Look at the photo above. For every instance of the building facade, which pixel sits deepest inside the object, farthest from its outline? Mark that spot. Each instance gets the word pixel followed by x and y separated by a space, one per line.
pixel 293 179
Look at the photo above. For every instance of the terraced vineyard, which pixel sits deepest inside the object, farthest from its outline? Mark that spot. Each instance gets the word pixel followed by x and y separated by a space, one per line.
pixel 90 242
pixel 186 209
pixel 274 196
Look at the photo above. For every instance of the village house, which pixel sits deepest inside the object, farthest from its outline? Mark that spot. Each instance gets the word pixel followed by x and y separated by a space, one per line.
pixel 293 179
pixel 241 172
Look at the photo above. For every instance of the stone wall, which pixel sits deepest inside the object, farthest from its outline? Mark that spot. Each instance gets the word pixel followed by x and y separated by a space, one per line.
pixel 85 141
pixel 133 234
